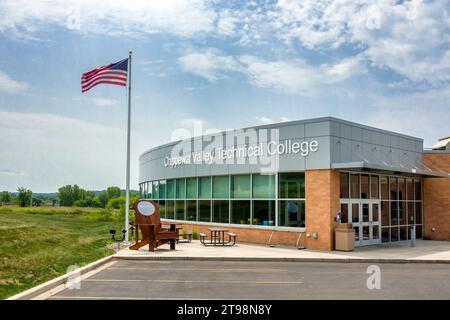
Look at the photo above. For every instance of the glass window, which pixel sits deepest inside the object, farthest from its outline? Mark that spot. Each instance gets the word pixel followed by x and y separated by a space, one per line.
pixel 419 232
pixel 155 193
pixel 240 186
pixel 170 209
pixel 393 188
pixel 418 189
pixel 220 211
pixel 263 186
pixel 204 188
pixel 179 210
pixel 181 189
pixel 403 233
pixel 191 188
pixel 385 235
pixel 409 189
pixel 384 188
pixel 354 186
pixel 191 210
pixel 292 185
pixel 162 189
pixel 264 212
pixel 402 213
pixel 385 213
pixel 344 185
pixel 170 189
pixel 292 213
pixel 394 233
pixel 162 208
pixel 221 187
pixel 401 189
pixel 240 212
pixel 204 210
pixel 149 190
pixel 410 212
pixel 394 213
pixel 418 213
pixel 355 213
pixel 364 186
pixel 344 213
pixel 374 189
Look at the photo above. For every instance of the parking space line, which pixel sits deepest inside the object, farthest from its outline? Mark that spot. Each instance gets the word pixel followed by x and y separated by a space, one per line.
pixel 195 281
pixel 203 269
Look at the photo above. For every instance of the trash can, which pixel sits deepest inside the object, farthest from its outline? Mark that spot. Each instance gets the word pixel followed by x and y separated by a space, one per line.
pixel 344 237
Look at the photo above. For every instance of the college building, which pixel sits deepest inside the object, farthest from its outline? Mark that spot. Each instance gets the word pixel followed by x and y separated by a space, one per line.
pixel 286 183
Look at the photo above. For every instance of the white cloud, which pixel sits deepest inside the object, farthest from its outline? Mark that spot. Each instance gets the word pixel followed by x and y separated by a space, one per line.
pixel 9 85
pixel 104 102
pixel 421 114
pixel 268 120
pixel 412 37
pixel 210 64
pixel 120 17
pixel 44 151
pixel 293 76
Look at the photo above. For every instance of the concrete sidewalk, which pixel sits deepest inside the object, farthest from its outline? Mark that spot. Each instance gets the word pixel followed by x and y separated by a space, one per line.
pixel 400 252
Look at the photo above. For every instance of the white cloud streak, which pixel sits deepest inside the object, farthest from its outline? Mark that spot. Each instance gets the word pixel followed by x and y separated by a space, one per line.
pixel 9 85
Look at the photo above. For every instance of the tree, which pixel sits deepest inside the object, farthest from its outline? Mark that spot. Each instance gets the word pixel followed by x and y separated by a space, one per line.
pixel 110 193
pixel 5 197
pixel 24 196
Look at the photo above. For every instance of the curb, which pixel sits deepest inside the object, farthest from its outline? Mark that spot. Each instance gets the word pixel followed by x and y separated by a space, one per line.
pixel 61 280
pixel 282 259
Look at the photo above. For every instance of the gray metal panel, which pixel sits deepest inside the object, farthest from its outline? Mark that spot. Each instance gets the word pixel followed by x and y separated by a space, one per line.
pixel 317 129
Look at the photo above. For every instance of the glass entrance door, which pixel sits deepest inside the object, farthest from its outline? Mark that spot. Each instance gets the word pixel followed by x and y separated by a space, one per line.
pixel 365 217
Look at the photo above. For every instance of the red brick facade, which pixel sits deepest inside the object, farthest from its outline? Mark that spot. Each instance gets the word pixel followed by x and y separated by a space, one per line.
pixel 436 198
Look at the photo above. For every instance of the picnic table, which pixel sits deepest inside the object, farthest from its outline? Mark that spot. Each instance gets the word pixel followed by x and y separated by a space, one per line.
pixel 217 238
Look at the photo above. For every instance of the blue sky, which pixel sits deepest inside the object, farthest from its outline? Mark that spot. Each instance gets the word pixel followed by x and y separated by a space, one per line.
pixel 224 64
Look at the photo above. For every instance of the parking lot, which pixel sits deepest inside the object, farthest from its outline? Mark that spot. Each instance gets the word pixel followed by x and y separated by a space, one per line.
pixel 132 279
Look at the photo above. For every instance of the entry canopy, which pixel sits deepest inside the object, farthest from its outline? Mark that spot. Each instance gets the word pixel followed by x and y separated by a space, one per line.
pixel 388 169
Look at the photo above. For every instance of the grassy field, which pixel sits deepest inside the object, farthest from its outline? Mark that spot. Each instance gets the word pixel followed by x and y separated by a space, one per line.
pixel 39 244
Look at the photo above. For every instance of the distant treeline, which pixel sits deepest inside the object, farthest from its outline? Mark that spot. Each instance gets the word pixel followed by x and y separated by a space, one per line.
pixel 70 195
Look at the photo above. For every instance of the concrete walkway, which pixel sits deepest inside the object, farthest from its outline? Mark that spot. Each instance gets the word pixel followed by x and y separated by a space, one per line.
pixel 400 252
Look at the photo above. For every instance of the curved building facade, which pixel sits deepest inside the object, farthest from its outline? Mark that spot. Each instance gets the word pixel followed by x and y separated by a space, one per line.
pixel 286 183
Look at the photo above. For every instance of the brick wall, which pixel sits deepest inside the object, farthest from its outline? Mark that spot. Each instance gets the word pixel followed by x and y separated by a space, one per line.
pixel 322 203
pixel 436 194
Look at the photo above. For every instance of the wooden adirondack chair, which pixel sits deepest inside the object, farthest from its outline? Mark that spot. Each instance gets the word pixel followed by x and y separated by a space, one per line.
pixel 148 221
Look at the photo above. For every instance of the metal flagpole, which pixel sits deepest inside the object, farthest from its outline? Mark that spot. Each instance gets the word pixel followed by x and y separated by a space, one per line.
pixel 127 192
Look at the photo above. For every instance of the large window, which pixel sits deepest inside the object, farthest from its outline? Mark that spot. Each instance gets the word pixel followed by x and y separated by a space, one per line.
pixel 292 185
pixel 264 212
pixel 291 213
pixel 240 211
pixel 400 199
pixel 204 186
pixel 179 210
pixel 263 186
pixel 191 210
pixel 220 187
pixel 191 188
pixel 240 187
pixel 181 188
pixel 204 210
pixel 236 199
pixel 170 189
pixel 221 211
pixel 344 185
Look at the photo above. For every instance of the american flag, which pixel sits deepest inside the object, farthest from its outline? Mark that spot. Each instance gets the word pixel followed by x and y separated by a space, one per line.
pixel 113 73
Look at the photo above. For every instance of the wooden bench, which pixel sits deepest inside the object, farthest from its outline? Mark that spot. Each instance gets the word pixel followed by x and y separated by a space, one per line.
pixel 202 236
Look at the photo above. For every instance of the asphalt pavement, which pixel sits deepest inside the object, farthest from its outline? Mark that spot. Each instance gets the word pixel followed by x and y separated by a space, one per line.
pixel 134 279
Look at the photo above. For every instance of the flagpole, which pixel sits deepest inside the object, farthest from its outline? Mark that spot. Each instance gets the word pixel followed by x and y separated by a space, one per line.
pixel 127 192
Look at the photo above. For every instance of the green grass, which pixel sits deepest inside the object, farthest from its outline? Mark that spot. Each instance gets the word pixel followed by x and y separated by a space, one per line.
pixel 39 244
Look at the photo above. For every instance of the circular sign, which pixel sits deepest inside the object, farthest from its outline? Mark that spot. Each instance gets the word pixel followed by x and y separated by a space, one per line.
pixel 146 208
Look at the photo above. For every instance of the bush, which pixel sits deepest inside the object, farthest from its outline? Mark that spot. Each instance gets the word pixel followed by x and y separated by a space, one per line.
pixel 116 203
pixel 195 235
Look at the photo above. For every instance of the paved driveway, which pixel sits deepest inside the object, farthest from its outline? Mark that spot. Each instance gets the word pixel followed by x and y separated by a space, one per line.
pixel 131 279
